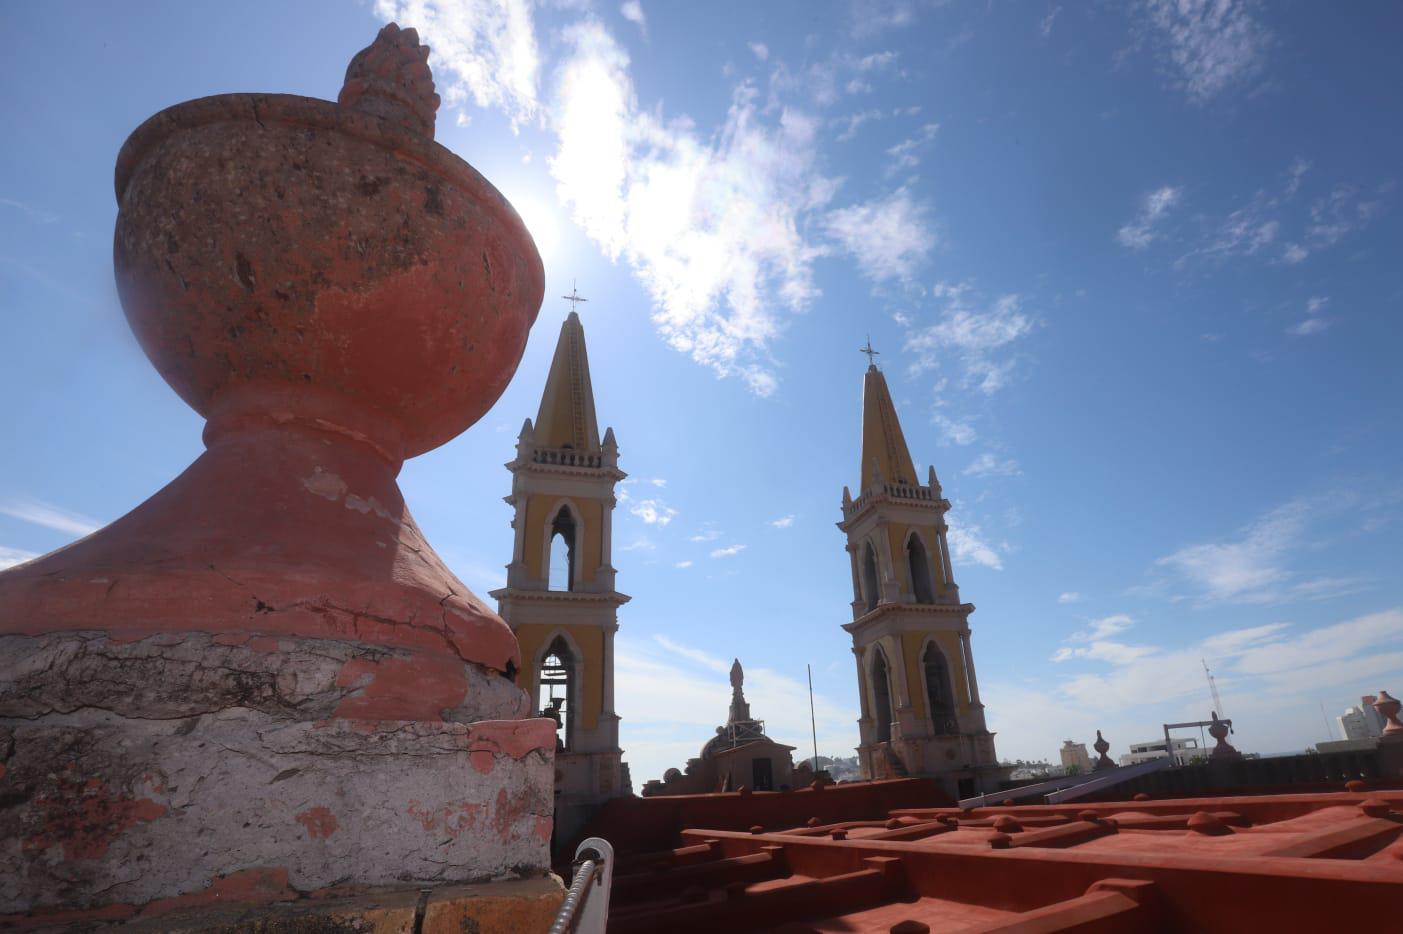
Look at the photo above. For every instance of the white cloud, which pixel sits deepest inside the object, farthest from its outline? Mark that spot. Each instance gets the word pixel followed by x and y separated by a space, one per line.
pixel 9 557
pixel 1254 566
pixel 683 564
pixel 967 546
pixel 658 482
pixel 906 154
pixel 50 517
pixel 483 50
pixel 1071 596
pixel 632 11
pixel 987 465
pixel 728 551
pixel 973 333
pixel 1208 45
pixel 1308 326
pixel 707 534
pixel 1140 232
pixel 852 122
pixel 955 431
pixel 709 222
pixel 1045 26
pixel 653 511
pixel 783 522
pixel 639 544
pixel 760 50
pixel 889 237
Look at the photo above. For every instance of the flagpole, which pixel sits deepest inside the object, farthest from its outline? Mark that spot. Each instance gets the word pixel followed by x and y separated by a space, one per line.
pixel 813 724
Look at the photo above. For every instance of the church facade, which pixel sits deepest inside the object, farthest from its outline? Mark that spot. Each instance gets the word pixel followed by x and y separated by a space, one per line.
pixel 921 712
pixel 560 599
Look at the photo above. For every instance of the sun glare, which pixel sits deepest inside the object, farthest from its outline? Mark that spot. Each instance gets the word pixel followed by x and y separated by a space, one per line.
pixel 541 220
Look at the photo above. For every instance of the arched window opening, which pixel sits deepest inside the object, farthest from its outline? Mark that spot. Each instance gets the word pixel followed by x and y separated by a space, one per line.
pixel 562 551
pixel 869 577
pixel 938 694
pixel 556 691
pixel 881 697
pixel 919 563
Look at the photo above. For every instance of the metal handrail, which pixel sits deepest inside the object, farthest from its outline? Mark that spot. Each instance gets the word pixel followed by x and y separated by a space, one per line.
pixel 586 905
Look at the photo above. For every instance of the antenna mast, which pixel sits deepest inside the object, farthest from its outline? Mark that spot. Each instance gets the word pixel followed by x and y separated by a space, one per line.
pixel 1213 688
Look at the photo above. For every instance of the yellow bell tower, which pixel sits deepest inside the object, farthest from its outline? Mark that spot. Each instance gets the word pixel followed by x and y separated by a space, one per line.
pixel 921 713
pixel 560 598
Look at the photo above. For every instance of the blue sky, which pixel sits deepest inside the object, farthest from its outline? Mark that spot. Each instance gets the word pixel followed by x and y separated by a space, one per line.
pixel 1134 271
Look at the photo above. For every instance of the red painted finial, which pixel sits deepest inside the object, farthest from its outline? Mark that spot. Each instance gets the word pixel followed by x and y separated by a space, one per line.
pixel 1388 707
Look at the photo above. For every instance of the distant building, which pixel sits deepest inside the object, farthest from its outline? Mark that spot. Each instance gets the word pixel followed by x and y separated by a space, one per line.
pixel 1371 716
pixel 740 755
pixel 1185 751
pixel 1354 725
pixel 1348 745
pixel 1074 756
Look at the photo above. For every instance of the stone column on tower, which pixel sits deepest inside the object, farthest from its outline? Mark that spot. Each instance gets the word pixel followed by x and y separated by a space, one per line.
pixel 921 713
pixel 262 681
pixel 560 599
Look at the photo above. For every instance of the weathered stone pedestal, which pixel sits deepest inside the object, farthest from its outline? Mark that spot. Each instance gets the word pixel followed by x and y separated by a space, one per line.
pixel 262 684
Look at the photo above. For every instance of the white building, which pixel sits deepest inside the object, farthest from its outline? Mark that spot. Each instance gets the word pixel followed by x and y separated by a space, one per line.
pixel 1185 751
pixel 1356 724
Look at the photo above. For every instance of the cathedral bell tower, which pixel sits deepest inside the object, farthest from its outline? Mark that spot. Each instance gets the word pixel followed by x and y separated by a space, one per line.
pixel 560 598
pixel 921 713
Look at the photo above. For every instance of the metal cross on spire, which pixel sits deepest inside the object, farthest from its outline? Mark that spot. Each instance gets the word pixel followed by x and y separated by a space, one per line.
pixel 871 354
pixel 574 298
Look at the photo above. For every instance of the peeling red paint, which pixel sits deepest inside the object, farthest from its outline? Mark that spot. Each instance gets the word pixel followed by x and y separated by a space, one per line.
pixel 482 760
pixel 515 738
pixel 455 818
pixel 248 886
pixel 510 809
pixel 543 829
pixel 420 688
pixel 319 821
pixel 84 817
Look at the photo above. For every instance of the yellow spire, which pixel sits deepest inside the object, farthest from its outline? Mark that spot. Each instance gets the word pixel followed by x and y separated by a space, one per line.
pixel 885 458
pixel 566 418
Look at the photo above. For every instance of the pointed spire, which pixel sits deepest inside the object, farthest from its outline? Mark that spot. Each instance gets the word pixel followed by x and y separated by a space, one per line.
pixel 567 417
pixel 933 481
pixel 528 432
pixel 885 456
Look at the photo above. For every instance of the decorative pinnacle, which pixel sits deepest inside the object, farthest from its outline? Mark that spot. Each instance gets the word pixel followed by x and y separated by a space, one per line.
pixel 574 298
pixel 872 355
pixel 390 78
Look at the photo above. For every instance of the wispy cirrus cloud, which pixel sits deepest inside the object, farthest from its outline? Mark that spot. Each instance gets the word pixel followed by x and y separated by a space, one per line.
pixel 483 50
pixel 976 331
pixel 1315 321
pixel 968 546
pixel 1140 232
pixel 1256 566
pixel 9 557
pixel 730 551
pixel 783 522
pixel 889 237
pixel 653 511
pixel 989 465
pixel 1206 46
pixel 49 516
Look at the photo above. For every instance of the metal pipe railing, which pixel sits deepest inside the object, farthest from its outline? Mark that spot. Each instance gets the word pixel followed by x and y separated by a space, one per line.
pixel 586 905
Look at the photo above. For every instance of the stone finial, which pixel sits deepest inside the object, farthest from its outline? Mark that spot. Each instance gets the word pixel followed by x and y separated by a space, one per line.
pixel 1388 707
pixel 1101 746
pixel 1219 731
pixel 390 78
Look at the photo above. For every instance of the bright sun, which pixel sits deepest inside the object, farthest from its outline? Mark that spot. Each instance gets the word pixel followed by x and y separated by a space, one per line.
pixel 540 217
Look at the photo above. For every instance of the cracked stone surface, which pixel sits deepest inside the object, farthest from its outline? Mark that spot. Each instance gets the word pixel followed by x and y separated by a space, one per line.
pixel 162 767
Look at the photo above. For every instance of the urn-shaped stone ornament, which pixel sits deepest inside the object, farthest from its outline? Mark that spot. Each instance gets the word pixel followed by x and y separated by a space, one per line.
pixel 286 671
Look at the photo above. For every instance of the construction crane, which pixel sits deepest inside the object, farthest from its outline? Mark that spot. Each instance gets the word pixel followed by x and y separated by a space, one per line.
pixel 1218 710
